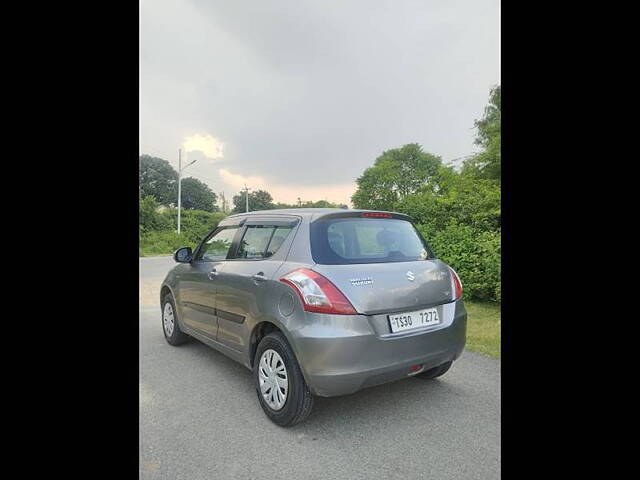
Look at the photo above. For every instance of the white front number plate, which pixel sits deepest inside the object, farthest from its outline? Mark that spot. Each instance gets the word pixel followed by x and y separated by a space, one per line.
pixel 412 320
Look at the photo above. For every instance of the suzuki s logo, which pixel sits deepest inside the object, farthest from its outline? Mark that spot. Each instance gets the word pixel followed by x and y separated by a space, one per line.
pixel 410 276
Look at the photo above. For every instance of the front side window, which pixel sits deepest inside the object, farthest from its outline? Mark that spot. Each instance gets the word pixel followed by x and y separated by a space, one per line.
pixel 217 247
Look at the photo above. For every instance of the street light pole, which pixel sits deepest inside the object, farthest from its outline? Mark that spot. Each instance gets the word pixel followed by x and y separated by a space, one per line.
pixel 180 169
pixel 179 186
pixel 246 193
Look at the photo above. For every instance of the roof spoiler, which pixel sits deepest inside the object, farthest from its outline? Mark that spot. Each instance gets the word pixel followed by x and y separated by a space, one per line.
pixel 364 214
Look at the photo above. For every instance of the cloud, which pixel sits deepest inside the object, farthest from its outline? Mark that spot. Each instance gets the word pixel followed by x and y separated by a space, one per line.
pixel 238 181
pixel 210 146
pixel 307 94
pixel 286 193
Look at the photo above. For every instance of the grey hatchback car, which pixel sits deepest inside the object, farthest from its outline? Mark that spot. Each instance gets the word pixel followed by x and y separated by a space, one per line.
pixel 317 302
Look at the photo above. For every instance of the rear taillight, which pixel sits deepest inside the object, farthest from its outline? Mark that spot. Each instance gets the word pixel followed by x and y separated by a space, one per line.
pixel 457 284
pixel 317 293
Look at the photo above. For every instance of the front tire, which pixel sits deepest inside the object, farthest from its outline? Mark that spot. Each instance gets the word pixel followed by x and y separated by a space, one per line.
pixel 170 325
pixel 282 392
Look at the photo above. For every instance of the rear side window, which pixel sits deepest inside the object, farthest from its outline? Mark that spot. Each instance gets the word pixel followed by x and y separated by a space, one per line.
pixel 353 240
pixel 279 236
pixel 261 241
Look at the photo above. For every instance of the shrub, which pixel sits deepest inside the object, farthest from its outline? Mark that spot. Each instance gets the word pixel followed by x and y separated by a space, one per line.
pixel 194 224
pixel 162 243
pixel 465 200
pixel 149 218
pixel 461 221
pixel 158 235
pixel 474 255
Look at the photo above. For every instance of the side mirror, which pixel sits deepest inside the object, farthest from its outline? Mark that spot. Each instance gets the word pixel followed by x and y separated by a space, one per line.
pixel 183 255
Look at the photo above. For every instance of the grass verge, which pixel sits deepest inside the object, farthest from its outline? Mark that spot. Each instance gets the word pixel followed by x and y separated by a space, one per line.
pixel 483 328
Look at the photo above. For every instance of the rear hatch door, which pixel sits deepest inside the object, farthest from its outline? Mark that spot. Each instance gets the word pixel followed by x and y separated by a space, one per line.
pixel 379 261
pixel 391 287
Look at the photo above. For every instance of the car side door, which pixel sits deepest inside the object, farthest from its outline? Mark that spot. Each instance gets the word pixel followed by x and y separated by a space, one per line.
pixel 198 283
pixel 244 280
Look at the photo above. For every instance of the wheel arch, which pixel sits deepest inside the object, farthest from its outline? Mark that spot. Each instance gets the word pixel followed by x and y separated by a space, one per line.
pixel 263 328
pixel 164 289
pixel 259 331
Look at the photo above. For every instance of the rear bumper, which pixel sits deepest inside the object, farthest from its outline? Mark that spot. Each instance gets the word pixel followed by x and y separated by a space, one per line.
pixel 341 354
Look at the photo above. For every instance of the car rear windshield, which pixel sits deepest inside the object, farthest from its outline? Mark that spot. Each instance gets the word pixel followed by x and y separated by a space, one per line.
pixel 351 240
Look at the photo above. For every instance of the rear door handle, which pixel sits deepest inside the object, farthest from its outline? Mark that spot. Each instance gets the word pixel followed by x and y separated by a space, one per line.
pixel 212 274
pixel 258 277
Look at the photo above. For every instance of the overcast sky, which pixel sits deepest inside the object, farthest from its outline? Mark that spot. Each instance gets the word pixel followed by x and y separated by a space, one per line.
pixel 298 97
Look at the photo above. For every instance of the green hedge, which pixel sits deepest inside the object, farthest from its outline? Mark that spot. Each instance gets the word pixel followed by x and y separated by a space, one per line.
pixel 461 221
pixel 194 224
pixel 158 235
pixel 474 255
pixel 161 243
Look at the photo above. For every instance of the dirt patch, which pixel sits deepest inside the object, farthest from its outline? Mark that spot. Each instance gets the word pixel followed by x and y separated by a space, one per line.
pixel 150 292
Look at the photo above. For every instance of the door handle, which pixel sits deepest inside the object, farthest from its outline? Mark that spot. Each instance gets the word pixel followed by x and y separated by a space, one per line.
pixel 212 274
pixel 258 277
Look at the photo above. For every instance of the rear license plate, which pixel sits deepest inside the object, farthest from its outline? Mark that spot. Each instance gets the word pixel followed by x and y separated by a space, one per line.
pixel 413 320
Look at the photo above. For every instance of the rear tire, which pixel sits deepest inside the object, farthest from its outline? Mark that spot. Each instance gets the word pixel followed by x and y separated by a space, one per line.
pixel 299 400
pixel 435 372
pixel 170 324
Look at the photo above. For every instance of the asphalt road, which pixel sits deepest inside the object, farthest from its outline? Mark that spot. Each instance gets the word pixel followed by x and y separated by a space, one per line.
pixel 200 418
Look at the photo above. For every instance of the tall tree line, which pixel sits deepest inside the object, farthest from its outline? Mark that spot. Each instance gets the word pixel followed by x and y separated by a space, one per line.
pixel 457 210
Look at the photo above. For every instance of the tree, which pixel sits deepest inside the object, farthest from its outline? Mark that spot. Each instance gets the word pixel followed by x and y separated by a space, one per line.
pixel 158 179
pixel 258 200
pixel 312 204
pixel 322 204
pixel 197 195
pixel 396 174
pixel 486 164
pixel 225 205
